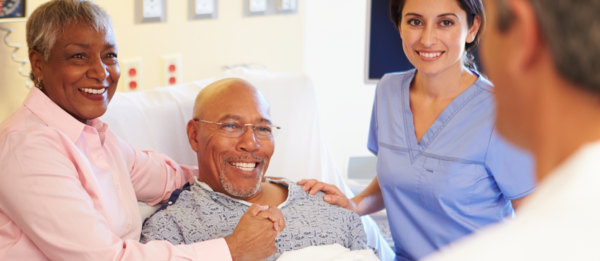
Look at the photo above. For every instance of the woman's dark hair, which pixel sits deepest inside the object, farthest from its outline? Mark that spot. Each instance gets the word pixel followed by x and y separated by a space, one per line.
pixel 471 7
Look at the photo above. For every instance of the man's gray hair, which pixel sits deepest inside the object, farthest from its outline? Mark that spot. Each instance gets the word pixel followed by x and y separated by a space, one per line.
pixel 572 30
pixel 49 21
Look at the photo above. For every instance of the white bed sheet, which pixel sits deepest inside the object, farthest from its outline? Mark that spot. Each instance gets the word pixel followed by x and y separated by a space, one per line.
pixel 334 252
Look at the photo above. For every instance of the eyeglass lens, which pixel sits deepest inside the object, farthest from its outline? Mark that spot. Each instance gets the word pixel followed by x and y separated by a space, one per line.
pixel 237 130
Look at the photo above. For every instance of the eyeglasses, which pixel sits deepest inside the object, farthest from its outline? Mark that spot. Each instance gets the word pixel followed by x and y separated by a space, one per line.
pixel 235 130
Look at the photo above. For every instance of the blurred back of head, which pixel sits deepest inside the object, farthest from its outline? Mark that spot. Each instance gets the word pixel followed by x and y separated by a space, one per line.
pixel 571 29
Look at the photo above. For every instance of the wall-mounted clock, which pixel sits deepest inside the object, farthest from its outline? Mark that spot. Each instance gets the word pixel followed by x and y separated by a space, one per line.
pixel 287 6
pixel 270 7
pixel 202 9
pixel 256 7
pixel 150 11
pixel 13 10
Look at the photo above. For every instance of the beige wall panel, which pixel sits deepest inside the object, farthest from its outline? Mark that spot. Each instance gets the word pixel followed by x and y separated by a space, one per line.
pixel 206 45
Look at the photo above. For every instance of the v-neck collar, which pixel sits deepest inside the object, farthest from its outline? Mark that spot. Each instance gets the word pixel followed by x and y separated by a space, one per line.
pixel 415 148
pixel 225 199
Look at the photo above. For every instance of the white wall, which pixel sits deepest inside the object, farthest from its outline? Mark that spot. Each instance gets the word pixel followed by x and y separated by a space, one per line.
pixel 325 40
pixel 334 50
pixel 206 45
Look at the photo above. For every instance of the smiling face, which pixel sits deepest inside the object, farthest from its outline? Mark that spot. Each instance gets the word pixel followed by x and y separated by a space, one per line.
pixel 82 73
pixel 231 165
pixel 434 34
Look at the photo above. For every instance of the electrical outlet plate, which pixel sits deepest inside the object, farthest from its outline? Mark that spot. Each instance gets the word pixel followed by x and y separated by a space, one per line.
pixel 150 11
pixel 202 9
pixel 171 69
pixel 131 75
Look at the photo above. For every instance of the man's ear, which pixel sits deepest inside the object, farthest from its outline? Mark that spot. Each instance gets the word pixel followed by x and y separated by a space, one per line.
pixel 36 60
pixel 192 132
pixel 525 37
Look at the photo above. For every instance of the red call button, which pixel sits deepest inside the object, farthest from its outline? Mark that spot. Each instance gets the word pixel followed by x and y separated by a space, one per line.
pixel 132 72
pixel 132 85
pixel 172 80
pixel 172 68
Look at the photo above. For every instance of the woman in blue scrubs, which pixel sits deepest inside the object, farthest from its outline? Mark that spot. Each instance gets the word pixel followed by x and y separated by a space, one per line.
pixel 443 172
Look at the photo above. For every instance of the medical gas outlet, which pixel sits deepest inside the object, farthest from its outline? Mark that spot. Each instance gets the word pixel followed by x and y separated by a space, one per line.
pixel 131 75
pixel 171 70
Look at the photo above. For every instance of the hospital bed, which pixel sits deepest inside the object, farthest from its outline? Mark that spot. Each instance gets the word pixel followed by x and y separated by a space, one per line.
pixel 156 120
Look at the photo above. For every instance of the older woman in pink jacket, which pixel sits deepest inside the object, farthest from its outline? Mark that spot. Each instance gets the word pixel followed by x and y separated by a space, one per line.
pixel 68 186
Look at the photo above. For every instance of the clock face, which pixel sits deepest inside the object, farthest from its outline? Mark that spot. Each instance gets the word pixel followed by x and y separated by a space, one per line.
pixel 288 4
pixel 12 9
pixel 205 7
pixel 152 8
pixel 258 6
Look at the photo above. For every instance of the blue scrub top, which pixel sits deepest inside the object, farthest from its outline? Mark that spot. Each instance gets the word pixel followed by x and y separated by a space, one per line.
pixel 459 178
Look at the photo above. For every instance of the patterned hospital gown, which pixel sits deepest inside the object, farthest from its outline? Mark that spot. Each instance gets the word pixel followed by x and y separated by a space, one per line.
pixel 202 214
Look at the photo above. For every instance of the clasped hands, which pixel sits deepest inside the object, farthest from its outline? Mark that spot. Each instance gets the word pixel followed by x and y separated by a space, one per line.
pixel 254 236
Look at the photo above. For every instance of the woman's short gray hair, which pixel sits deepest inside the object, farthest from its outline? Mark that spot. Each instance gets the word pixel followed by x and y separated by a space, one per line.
pixel 49 21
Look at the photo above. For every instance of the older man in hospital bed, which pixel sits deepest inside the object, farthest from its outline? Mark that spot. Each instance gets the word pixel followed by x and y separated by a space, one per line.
pixel 156 120
pixel 233 137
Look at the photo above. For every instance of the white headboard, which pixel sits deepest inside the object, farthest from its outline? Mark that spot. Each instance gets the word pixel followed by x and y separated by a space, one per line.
pixel 156 120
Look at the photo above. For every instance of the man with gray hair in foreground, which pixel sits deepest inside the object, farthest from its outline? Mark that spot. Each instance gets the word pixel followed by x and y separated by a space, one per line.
pixel 233 136
pixel 544 58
